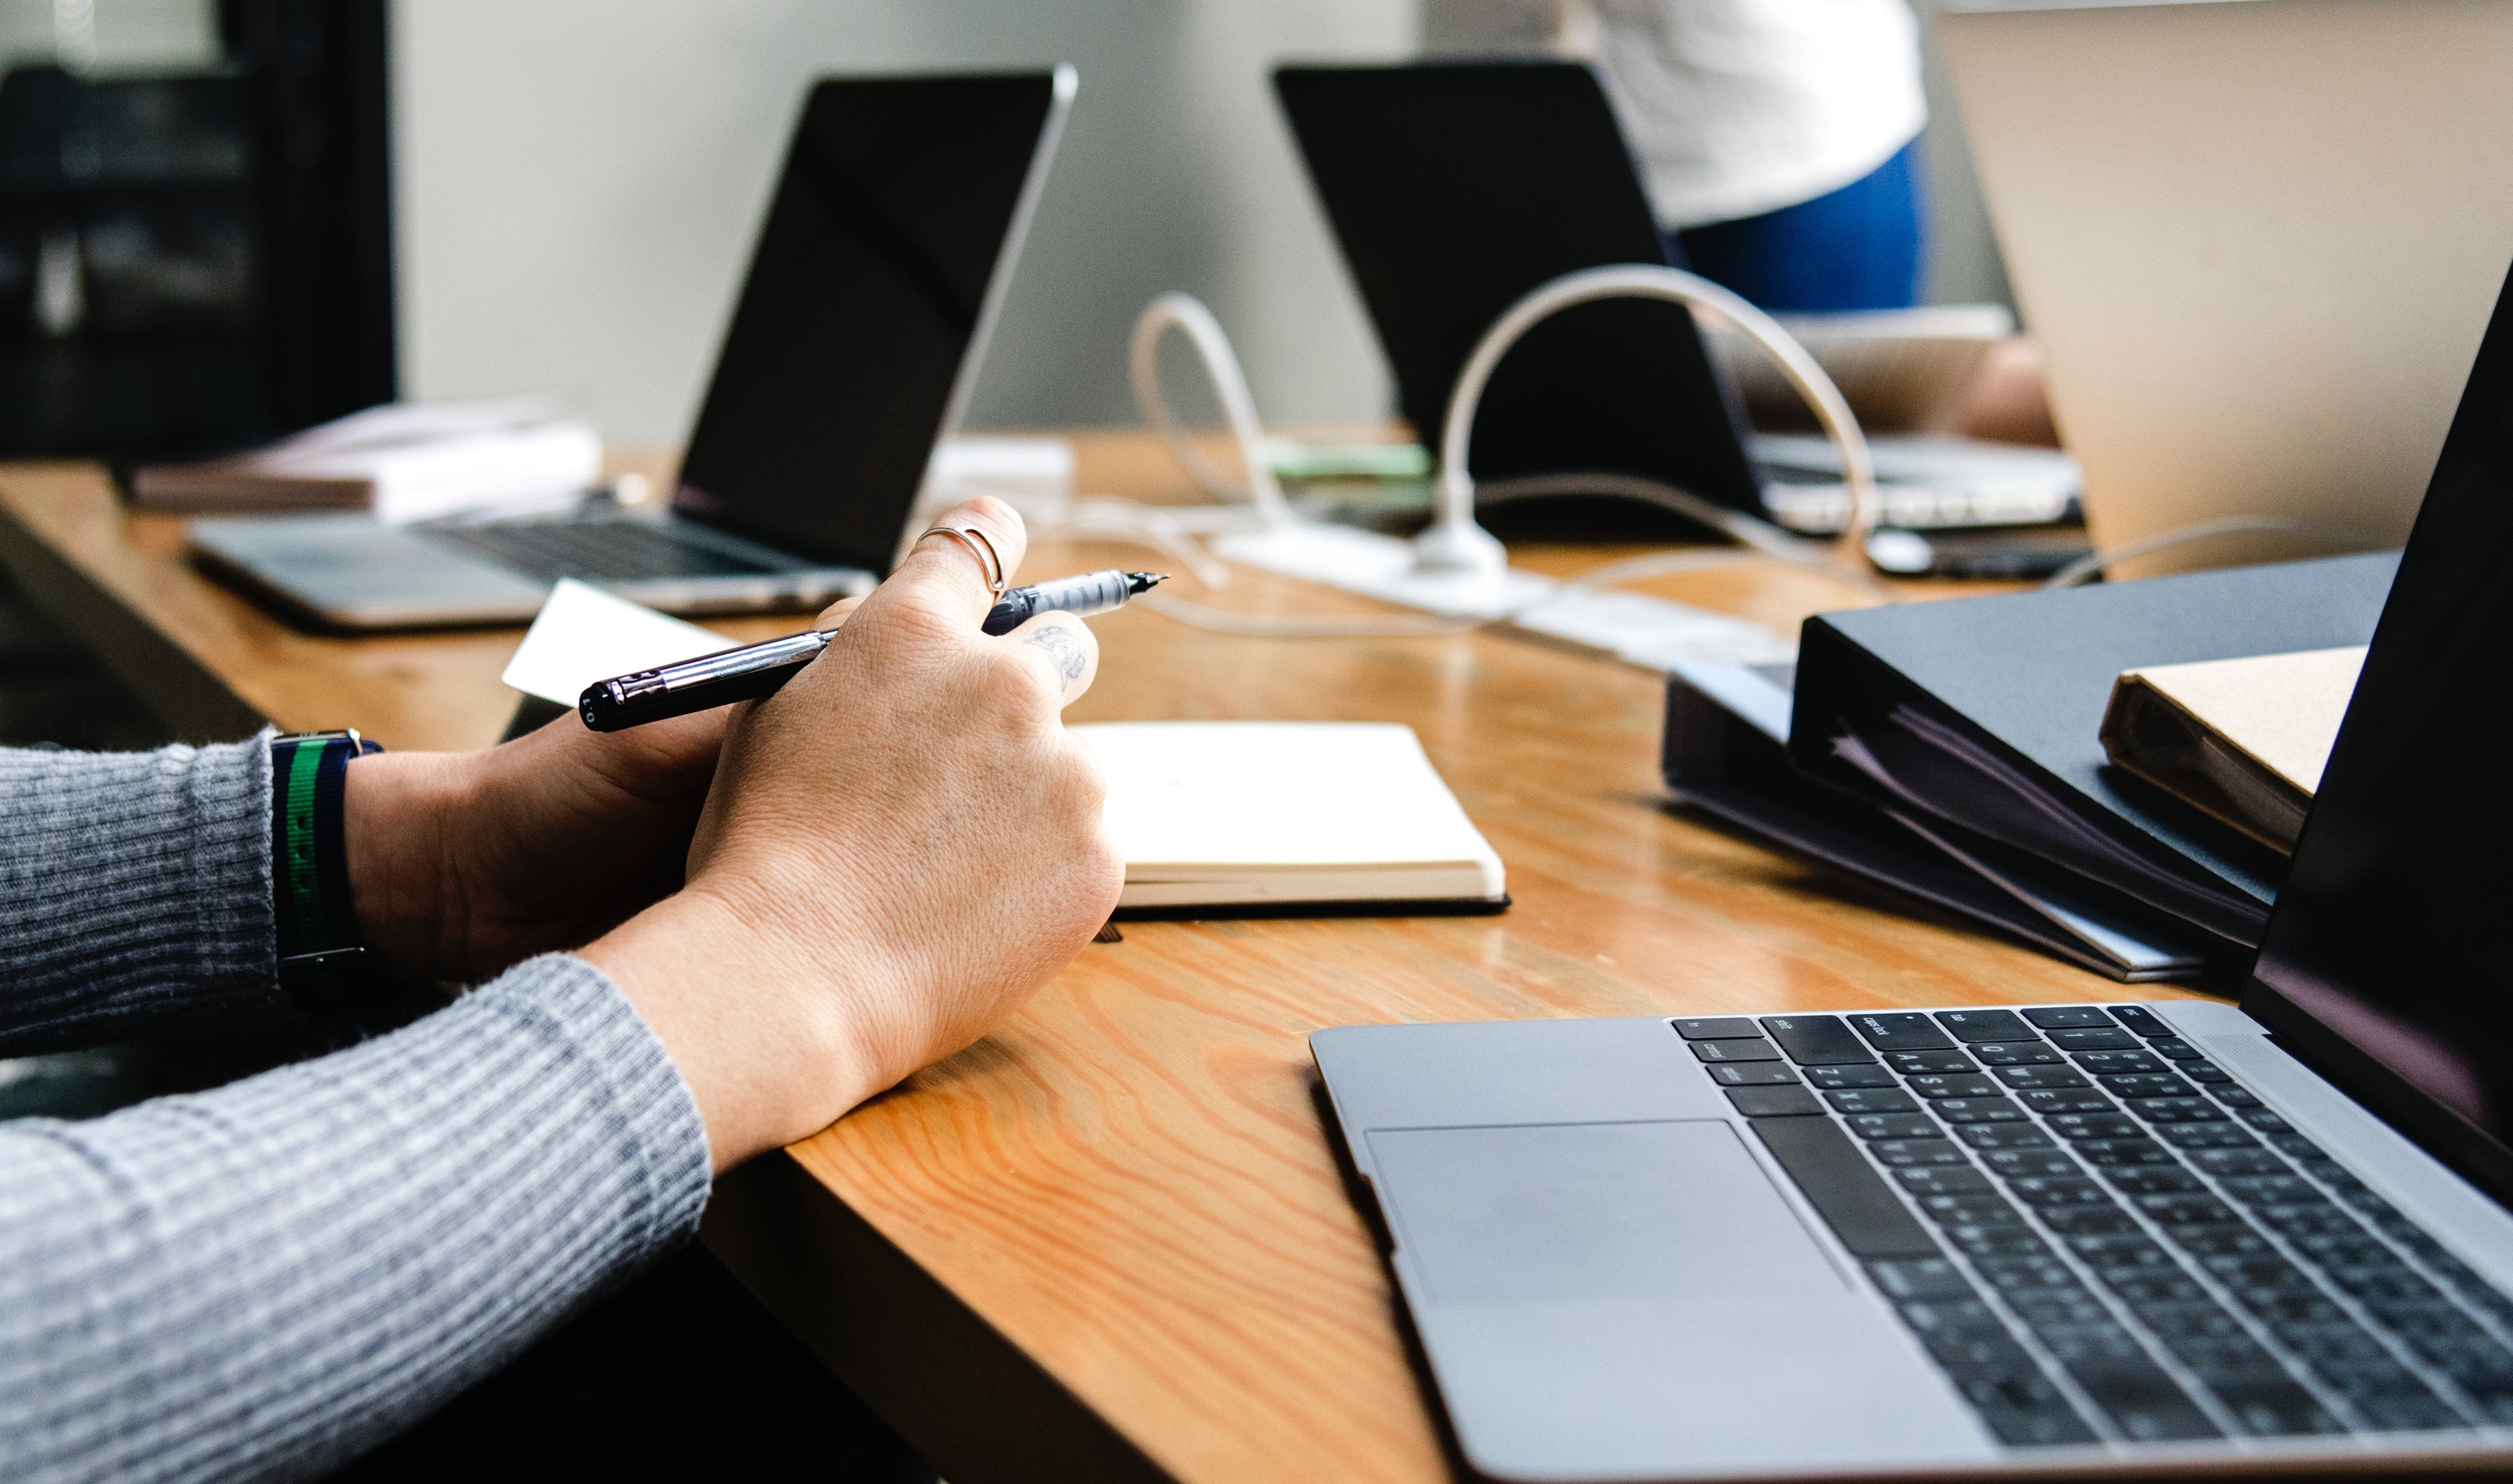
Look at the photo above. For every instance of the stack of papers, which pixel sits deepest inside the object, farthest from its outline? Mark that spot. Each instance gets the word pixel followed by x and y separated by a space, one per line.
pixel 402 463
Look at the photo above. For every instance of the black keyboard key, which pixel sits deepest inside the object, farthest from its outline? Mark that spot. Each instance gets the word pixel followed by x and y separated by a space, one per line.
pixel 2143 1287
pixel 2294 1145
pixel 2141 1019
pixel 1976 1025
pixel 1911 1062
pixel 1717 1028
pixel 2266 1189
pixel 1874 1100
pixel 1920 1278
pixel 2205 1135
pixel 2301 1219
pixel 2094 1040
pixel 2220 1241
pixel 1752 1073
pixel 1960 1110
pixel 1912 1152
pixel 2066 1017
pixel 1954 1085
pixel 2107 1062
pixel 1902 1031
pixel 1843 1188
pixel 2143 1401
pixel 2177 1110
pixel 1734 1050
pixel 2194 1210
pixel 2023 1274
pixel 2075 1126
pixel 1939 1179
pixel 2048 1161
pixel 2123 1151
pixel 2231 1096
pixel 2271 1405
pixel 2003 1136
pixel 2034 1078
pixel 2251 1161
pixel 2263 1120
pixel 2148 1085
pixel 2202 1071
pixel 1867 1075
pixel 2019 1054
pixel 2151 1179
pixel 1999 1240
pixel 2022 1408
pixel 1970 1208
pixel 2057 1191
pixel 1895 1126
pixel 2120 1252
pixel 2082 1100
pixel 1816 1040
pixel 2176 1050
pixel 1775 1101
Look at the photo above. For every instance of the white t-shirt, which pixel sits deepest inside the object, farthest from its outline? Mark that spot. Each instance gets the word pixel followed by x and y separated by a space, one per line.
pixel 1734 108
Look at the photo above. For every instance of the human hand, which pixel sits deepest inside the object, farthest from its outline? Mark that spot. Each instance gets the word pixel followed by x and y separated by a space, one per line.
pixel 901 845
pixel 464 863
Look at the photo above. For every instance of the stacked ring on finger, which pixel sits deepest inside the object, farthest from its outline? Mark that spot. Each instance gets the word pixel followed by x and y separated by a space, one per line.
pixel 982 546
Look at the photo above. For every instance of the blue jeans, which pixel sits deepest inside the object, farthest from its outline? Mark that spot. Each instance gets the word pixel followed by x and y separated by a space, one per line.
pixel 1861 247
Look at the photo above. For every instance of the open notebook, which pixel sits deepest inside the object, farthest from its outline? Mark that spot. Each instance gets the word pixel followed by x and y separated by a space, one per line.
pixel 1274 814
pixel 1228 816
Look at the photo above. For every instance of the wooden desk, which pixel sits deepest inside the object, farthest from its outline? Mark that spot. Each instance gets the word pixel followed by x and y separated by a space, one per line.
pixel 1111 1242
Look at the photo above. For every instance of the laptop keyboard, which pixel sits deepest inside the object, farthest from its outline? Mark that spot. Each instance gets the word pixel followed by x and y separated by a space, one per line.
pixel 2101 1236
pixel 595 550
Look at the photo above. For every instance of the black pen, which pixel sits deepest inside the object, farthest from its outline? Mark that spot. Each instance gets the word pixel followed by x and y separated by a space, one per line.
pixel 760 669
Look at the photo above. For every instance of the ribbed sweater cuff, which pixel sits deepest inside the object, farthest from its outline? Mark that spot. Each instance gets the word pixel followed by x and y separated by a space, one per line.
pixel 139 892
pixel 264 1280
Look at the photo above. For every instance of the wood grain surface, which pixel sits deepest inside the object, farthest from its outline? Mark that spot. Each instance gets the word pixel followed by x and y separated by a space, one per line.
pixel 1127 1188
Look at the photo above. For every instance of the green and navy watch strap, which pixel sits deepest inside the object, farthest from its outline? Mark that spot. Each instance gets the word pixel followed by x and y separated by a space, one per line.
pixel 320 949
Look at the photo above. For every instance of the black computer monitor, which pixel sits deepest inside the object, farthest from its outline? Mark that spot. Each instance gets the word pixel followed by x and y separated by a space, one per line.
pixel 883 256
pixel 2386 960
pixel 1456 188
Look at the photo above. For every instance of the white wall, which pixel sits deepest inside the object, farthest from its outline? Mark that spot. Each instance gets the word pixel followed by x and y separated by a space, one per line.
pixel 577 181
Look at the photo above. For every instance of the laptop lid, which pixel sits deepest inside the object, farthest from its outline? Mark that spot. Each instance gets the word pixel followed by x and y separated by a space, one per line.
pixel 1454 190
pixel 2258 243
pixel 2385 959
pixel 878 275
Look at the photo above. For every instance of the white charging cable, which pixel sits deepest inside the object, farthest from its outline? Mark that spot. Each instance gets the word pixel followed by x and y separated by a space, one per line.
pixel 1455 545
pixel 2085 567
pixel 1186 313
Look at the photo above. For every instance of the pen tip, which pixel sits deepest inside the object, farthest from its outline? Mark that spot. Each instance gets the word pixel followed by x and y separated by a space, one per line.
pixel 1146 581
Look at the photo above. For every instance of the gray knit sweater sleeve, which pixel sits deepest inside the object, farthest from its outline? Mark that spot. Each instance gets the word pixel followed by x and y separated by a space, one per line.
pixel 137 891
pixel 261 1281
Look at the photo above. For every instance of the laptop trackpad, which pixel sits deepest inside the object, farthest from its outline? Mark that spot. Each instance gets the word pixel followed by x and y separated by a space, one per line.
pixel 1675 1211
pixel 1639 1300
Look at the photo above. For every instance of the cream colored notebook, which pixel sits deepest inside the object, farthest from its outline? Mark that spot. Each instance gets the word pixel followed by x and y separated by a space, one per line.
pixel 1277 814
pixel 2243 739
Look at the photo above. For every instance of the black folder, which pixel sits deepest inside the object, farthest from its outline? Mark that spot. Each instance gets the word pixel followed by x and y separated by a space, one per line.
pixel 1978 721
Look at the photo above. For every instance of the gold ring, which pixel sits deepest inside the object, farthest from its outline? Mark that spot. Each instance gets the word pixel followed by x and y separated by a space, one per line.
pixel 989 559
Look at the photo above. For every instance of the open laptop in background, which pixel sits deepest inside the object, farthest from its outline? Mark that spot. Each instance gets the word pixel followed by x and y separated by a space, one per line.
pixel 2049 1237
pixel 878 275
pixel 2257 243
pixel 1454 188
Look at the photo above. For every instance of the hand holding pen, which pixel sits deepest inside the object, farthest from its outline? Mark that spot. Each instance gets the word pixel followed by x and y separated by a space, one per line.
pixel 760 669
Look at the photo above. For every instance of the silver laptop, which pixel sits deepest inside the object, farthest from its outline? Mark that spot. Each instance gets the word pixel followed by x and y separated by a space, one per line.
pixel 2036 1237
pixel 2256 241
pixel 877 277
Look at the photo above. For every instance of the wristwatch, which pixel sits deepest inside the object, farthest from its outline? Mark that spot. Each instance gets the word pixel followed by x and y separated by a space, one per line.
pixel 321 956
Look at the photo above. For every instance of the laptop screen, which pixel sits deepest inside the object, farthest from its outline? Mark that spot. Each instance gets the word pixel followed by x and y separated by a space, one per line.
pixel 893 222
pixel 2389 956
pixel 1454 188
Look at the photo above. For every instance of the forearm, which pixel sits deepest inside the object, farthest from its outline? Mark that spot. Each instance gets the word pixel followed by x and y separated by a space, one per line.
pixel 138 891
pixel 265 1279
